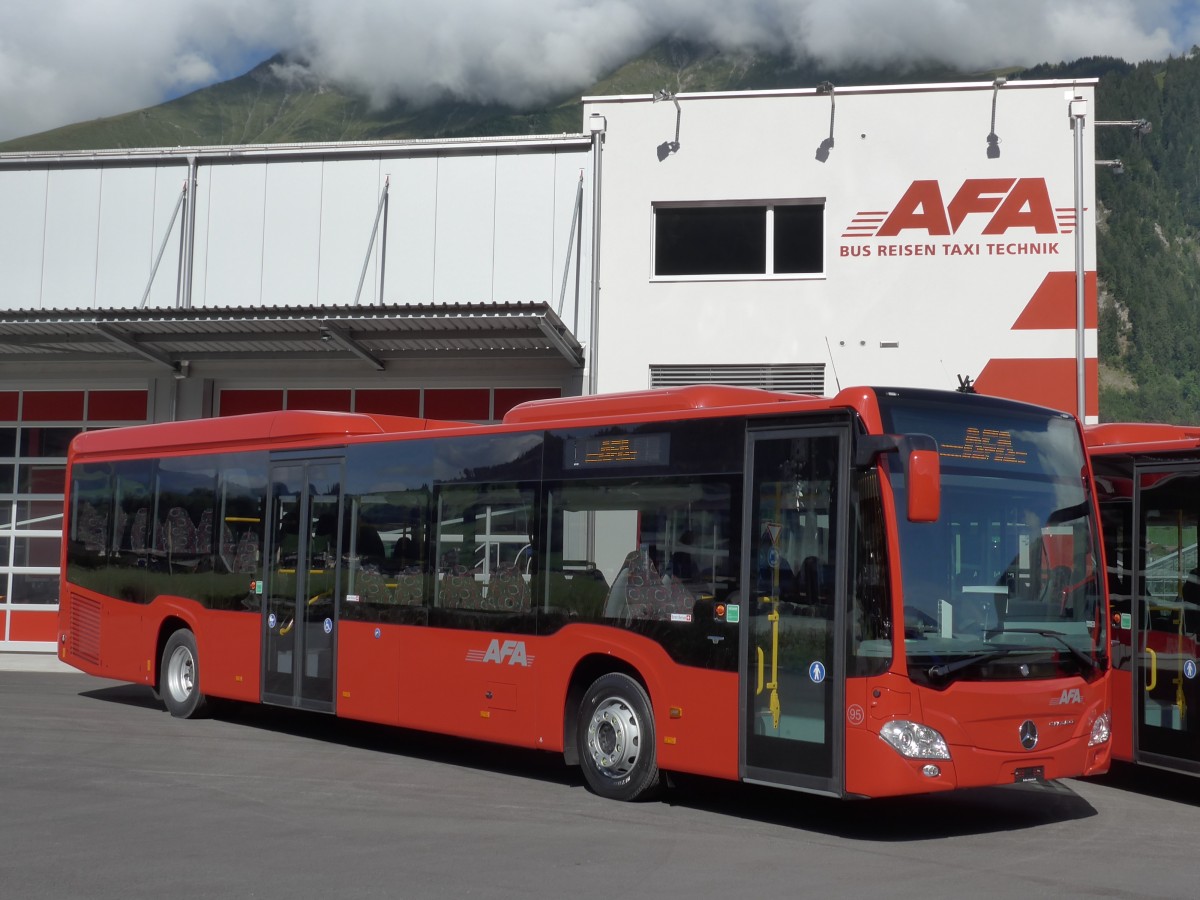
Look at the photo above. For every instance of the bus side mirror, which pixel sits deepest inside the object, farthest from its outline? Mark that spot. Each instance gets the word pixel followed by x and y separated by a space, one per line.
pixel 918 455
pixel 924 486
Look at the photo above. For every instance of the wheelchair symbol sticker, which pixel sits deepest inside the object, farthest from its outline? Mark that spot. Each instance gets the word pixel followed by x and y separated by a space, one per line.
pixel 816 672
pixel 1189 669
pixel 328 625
pixel 271 620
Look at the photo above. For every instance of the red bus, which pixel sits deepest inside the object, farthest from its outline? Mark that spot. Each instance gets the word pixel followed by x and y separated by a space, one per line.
pixel 849 596
pixel 1148 485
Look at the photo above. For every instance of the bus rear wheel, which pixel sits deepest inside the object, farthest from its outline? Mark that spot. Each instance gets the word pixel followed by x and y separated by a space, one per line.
pixel 616 739
pixel 179 677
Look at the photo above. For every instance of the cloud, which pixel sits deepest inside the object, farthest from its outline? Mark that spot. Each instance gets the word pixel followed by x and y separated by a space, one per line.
pixel 63 61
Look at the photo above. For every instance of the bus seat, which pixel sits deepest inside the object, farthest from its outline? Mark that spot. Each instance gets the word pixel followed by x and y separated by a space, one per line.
pixel 91 527
pixel 245 558
pixel 137 531
pixel 508 591
pixel 639 592
pixel 460 590
pixel 204 532
pixel 410 586
pixel 176 533
pixel 372 587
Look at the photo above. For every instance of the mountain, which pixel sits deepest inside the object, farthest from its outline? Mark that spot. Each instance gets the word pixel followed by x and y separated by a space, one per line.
pixel 280 101
pixel 1148 219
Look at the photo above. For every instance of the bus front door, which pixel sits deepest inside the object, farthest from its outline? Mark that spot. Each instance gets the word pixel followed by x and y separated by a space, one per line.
pixel 1166 681
pixel 301 589
pixel 791 660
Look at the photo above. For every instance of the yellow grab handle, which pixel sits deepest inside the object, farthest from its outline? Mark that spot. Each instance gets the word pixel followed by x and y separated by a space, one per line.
pixel 1153 670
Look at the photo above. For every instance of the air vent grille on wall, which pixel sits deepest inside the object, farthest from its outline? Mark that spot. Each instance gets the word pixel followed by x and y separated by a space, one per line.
pixel 803 378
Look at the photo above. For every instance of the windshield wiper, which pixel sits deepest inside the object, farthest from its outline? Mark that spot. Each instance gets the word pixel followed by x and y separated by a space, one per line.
pixel 950 668
pixel 1088 661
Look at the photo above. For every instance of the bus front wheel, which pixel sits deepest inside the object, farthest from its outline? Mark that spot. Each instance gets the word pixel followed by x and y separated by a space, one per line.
pixel 616 739
pixel 179 679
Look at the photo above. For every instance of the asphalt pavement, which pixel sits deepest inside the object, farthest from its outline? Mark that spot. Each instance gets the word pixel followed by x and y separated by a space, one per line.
pixel 103 795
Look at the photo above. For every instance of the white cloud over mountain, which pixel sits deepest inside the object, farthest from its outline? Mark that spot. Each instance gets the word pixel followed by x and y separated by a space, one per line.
pixel 63 61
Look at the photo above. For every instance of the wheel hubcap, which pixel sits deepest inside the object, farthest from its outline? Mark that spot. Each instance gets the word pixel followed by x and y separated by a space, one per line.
pixel 614 738
pixel 181 674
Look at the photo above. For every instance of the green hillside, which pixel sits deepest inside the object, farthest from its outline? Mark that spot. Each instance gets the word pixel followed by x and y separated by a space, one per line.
pixel 1148 234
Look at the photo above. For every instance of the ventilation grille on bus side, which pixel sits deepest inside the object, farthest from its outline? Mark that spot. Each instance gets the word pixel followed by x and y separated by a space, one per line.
pixel 804 378
pixel 85 629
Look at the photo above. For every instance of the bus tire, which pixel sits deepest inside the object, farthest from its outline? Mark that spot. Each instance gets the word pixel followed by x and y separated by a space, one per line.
pixel 616 739
pixel 179 677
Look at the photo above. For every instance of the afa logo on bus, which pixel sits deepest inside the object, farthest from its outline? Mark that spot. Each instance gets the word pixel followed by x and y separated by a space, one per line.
pixel 1007 204
pixel 510 653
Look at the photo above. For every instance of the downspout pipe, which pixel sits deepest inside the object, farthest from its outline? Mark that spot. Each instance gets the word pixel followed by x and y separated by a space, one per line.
pixel 597 124
pixel 189 236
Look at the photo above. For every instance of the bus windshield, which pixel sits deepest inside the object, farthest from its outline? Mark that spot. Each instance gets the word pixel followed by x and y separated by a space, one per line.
pixel 1005 584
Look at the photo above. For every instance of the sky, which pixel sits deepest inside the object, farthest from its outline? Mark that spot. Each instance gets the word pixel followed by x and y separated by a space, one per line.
pixel 67 61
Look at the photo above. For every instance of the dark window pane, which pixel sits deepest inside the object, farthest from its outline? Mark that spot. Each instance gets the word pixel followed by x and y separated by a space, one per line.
pixel 34 589
pixel 41 551
pixel 729 240
pixel 39 479
pixel 36 441
pixel 799 239
pixel 42 515
pixel 8 441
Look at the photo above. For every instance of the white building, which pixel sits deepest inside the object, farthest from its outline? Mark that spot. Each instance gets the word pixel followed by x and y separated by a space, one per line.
pixel 798 240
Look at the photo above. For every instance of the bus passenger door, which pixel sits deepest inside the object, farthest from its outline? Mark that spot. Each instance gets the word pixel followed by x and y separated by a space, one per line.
pixel 1167 608
pixel 792 665
pixel 301 589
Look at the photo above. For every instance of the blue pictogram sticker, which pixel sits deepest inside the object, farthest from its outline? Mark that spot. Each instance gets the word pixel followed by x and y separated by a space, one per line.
pixel 378 633
pixel 772 558
pixel 1189 669
pixel 816 672
pixel 271 620
pixel 328 625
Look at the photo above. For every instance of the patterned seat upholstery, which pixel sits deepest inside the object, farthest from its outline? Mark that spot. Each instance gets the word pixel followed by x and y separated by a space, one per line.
pixel 373 587
pixel 410 586
pixel 91 527
pixel 508 591
pixel 245 559
pixel 460 590
pixel 646 594
pixel 177 534
pixel 137 531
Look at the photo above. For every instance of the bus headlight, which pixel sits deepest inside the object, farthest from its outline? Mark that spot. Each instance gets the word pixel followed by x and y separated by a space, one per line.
pixel 914 740
pixel 1101 729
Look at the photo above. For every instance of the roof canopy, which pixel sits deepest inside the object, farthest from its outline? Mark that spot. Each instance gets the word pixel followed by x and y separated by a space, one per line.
pixel 373 334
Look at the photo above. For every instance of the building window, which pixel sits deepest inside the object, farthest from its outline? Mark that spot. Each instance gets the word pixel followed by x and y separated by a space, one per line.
pixel 36 428
pixel 747 240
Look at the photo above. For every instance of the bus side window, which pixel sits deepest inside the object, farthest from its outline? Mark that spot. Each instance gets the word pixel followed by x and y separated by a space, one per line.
pixel 383 547
pixel 641 549
pixel 484 546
